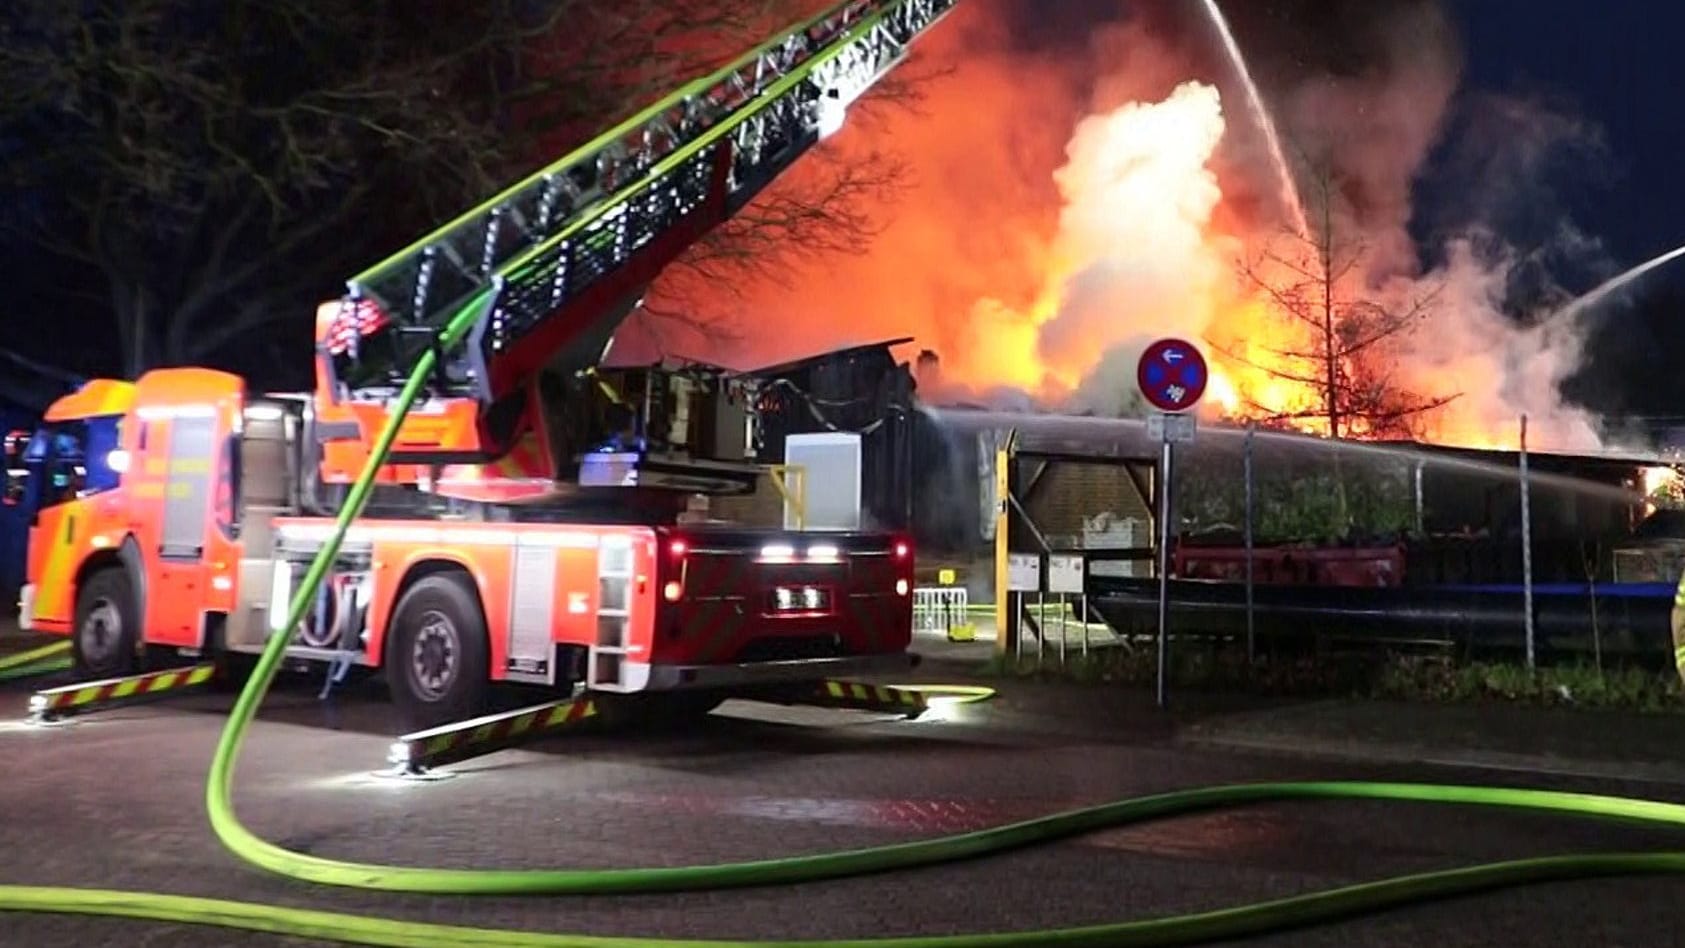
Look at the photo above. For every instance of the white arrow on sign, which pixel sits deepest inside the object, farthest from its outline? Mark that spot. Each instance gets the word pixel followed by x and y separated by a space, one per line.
pixel 1172 355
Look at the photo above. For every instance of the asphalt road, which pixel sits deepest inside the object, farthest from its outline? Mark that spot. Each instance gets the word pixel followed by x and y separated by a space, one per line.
pixel 115 801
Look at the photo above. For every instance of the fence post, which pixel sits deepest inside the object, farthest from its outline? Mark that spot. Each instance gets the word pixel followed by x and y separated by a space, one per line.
pixel 1526 547
pixel 1246 461
pixel 1421 514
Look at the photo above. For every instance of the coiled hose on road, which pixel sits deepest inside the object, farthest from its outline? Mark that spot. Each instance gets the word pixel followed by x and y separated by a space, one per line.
pixel 1175 930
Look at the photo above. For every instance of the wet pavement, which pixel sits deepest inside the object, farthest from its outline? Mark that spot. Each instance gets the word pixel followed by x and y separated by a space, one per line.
pixel 115 801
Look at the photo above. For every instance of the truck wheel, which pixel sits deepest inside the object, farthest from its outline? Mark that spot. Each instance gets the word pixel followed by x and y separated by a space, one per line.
pixel 106 640
pixel 436 658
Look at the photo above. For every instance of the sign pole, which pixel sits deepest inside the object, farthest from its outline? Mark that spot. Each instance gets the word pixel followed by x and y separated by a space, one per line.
pixel 1167 458
pixel 1172 376
pixel 1066 576
pixel 1023 576
pixel 1064 632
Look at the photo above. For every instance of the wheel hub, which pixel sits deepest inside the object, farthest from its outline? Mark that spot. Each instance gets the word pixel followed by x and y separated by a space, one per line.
pixel 102 630
pixel 434 659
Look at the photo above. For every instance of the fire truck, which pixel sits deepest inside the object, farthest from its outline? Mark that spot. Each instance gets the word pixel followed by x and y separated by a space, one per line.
pixel 528 525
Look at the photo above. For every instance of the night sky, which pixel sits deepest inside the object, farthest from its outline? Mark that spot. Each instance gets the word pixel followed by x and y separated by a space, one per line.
pixel 1617 64
pixel 1620 64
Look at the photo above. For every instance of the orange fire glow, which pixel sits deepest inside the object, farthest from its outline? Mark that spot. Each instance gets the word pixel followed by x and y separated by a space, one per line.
pixel 1064 212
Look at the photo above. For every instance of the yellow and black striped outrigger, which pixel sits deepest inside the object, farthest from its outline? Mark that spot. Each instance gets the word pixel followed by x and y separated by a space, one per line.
pixel 53 704
pixel 860 696
pixel 416 754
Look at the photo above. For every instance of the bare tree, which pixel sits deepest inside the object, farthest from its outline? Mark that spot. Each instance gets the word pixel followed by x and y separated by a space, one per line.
pixel 832 204
pixel 217 169
pixel 1343 342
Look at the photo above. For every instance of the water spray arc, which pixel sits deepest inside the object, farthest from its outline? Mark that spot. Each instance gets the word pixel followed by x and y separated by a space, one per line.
pixel 1289 191
pixel 1602 291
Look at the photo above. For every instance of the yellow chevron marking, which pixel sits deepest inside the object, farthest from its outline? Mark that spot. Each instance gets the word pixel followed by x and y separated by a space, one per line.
pixel 52 589
pixel 85 695
pixel 124 689
pixel 859 691
pixel 834 688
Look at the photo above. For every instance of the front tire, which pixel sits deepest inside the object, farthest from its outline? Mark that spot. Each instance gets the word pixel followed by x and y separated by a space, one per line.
pixel 437 662
pixel 106 640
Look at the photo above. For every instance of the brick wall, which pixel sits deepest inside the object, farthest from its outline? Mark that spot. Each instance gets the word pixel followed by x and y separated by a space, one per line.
pixel 763 508
pixel 1069 492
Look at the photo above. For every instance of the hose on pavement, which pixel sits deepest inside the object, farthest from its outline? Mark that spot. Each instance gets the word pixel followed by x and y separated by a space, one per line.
pixel 35 661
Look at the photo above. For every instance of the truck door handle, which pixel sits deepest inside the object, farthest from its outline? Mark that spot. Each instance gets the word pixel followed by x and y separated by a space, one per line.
pixel 69 529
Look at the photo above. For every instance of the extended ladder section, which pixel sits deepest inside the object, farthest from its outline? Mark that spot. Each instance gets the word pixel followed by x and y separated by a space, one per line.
pixel 557 261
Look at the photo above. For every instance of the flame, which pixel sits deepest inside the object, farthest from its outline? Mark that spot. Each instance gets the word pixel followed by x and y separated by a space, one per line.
pixel 1657 478
pixel 1046 240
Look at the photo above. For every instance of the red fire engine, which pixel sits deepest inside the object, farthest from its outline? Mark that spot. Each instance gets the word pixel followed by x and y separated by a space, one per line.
pixel 526 527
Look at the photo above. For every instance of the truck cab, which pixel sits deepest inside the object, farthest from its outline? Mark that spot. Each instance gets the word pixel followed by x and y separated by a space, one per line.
pixel 129 489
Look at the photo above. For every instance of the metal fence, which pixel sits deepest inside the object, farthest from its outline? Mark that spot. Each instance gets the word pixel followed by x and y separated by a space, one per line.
pixel 942 609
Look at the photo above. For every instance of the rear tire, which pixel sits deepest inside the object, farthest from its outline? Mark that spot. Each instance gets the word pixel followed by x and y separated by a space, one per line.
pixel 105 642
pixel 437 662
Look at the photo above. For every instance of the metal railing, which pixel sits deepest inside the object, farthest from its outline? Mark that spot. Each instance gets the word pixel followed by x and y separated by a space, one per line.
pixel 942 609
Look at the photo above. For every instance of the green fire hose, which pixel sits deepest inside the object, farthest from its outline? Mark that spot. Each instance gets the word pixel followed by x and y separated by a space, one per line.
pixel 1175 930
pixel 35 661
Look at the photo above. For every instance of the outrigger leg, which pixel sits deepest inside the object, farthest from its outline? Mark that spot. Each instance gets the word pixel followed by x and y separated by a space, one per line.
pixel 54 705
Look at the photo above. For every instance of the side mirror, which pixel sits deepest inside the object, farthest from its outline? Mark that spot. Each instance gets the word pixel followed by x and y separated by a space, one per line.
pixel 17 442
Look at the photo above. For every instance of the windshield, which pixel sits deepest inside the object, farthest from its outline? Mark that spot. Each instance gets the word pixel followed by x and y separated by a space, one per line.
pixel 75 459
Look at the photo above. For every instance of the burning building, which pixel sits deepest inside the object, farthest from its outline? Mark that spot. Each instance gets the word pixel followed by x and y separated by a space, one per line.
pixel 1062 208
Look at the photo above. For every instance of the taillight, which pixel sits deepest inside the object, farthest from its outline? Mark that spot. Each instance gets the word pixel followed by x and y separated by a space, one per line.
pixel 674 567
pixel 901 587
pixel 903 550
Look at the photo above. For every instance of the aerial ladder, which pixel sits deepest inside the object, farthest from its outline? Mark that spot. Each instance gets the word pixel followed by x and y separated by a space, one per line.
pixel 555 263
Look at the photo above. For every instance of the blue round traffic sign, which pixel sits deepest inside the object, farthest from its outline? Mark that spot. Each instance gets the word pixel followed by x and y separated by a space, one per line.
pixel 1172 375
